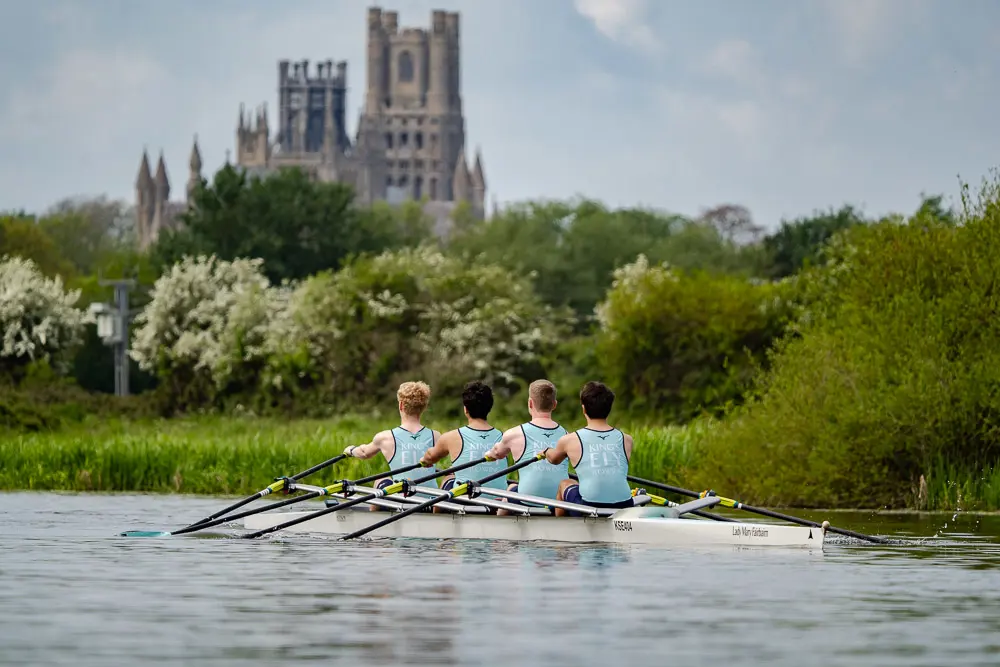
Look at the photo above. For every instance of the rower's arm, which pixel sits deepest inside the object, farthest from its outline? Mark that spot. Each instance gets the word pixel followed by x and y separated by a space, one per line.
pixel 628 446
pixel 440 449
pixel 506 444
pixel 370 449
pixel 559 453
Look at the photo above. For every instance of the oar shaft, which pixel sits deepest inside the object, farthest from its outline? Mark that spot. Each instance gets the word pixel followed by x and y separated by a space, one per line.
pixel 457 490
pixel 327 510
pixel 291 501
pixel 263 492
pixel 369 496
pixel 241 515
pixel 698 513
pixel 761 511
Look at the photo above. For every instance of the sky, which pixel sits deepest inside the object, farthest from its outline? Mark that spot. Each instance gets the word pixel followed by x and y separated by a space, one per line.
pixel 783 106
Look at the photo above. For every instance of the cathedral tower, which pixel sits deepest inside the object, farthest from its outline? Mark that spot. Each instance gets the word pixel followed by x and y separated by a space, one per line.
pixel 413 97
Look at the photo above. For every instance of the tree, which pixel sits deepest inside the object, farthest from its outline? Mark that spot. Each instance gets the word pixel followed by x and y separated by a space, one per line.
pixel 87 231
pixel 23 237
pixel 297 225
pixel 799 243
pixel 733 221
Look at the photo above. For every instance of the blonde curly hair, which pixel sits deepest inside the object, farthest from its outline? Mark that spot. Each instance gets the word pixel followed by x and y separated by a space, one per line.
pixel 414 397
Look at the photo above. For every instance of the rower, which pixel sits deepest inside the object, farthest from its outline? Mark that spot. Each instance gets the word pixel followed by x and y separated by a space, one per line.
pixel 541 432
pixel 599 453
pixel 470 442
pixel 405 444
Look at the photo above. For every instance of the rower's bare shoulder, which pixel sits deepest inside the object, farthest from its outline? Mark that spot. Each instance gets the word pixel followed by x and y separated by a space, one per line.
pixel 567 440
pixel 512 433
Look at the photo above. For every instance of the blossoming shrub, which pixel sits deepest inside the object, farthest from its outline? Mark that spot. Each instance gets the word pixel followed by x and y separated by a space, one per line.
pixel 204 329
pixel 674 344
pixel 38 318
pixel 410 313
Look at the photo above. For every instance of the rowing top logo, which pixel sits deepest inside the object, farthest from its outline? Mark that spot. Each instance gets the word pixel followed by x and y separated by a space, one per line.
pixel 602 437
pixel 414 437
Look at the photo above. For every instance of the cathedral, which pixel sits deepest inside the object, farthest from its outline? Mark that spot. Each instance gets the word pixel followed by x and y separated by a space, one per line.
pixel 409 143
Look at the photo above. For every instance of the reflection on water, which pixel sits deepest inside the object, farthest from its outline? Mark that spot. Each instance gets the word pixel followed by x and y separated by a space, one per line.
pixel 72 593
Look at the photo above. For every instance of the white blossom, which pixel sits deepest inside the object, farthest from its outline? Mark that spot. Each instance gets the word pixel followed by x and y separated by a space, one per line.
pixel 208 314
pixel 39 318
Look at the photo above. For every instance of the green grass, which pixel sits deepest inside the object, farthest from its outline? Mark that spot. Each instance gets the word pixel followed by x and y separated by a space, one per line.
pixel 233 456
pixel 216 455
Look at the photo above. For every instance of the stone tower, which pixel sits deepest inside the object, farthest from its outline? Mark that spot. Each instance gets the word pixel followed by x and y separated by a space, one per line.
pixel 154 211
pixel 413 98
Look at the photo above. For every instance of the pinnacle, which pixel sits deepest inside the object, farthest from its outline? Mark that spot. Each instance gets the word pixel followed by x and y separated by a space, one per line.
pixel 144 178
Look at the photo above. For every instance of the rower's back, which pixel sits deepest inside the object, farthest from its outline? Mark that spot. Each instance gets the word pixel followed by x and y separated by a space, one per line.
pixel 475 443
pixel 603 466
pixel 409 448
pixel 541 479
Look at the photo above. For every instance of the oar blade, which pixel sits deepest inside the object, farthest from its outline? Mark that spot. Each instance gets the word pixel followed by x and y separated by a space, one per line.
pixel 145 533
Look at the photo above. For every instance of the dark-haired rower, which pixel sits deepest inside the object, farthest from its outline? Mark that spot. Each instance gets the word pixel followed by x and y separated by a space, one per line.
pixel 599 453
pixel 470 442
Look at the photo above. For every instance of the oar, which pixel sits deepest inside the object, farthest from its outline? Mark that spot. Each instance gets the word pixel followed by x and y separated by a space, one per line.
pixel 658 500
pixel 395 487
pixel 276 486
pixel 457 490
pixel 735 504
pixel 333 488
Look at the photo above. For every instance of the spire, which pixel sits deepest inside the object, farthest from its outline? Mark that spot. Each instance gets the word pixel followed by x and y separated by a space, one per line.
pixel 144 180
pixel 195 162
pixel 478 177
pixel 162 183
pixel 195 177
pixel 462 183
pixel 242 123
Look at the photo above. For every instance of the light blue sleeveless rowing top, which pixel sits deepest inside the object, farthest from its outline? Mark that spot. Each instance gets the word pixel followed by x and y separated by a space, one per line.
pixel 475 443
pixel 410 447
pixel 542 478
pixel 603 467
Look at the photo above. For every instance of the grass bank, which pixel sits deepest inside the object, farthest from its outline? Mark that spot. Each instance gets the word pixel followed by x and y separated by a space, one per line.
pixel 234 456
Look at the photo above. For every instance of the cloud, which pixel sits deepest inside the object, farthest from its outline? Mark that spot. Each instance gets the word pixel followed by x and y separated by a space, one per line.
pixel 84 98
pixel 863 27
pixel 623 21
pixel 735 59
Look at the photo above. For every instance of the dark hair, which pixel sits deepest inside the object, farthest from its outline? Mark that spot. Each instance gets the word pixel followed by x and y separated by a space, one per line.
pixel 477 399
pixel 597 400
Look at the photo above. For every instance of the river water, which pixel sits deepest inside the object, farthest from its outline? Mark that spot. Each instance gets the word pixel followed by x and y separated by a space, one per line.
pixel 73 593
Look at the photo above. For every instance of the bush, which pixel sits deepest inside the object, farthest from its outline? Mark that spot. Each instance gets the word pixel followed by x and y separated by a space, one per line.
pixel 679 344
pixel 37 316
pixel 412 313
pixel 204 329
pixel 895 375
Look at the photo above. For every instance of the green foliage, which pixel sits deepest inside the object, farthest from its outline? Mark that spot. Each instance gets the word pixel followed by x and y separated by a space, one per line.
pixel 895 370
pixel 23 237
pixel 675 344
pixel 354 335
pixel 571 249
pixel 297 225
pixel 231 455
pixel 43 401
pixel 799 244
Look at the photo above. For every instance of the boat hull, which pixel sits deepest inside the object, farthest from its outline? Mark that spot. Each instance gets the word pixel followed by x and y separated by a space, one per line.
pixel 625 527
